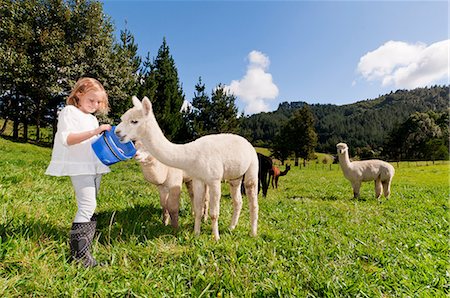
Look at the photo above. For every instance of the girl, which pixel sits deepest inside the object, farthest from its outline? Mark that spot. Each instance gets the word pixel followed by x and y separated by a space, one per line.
pixel 73 156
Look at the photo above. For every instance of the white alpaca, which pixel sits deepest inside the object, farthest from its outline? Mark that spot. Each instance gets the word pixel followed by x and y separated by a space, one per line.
pixel 367 170
pixel 169 182
pixel 208 160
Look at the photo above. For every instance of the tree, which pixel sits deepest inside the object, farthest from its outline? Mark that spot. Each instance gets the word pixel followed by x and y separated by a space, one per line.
pixel 299 134
pixel 417 137
pixel 161 85
pixel 201 111
pixel 217 114
pixel 365 123
pixel 280 149
pixel 33 54
pixel 223 111
pixel 12 61
pixel 123 80
pixel 49 44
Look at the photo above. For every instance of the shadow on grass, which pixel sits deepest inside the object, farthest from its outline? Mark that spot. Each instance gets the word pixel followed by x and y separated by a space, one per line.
pixel 330 198
pixel 32 229
pixel 45 144
pixel 140 223
pixel 349 198
pixel 314 198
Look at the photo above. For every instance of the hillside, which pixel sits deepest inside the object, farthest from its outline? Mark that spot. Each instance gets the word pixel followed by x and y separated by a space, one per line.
pixel 364 123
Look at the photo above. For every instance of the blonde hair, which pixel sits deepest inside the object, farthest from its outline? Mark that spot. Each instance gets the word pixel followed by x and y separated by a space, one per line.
pixel 84 85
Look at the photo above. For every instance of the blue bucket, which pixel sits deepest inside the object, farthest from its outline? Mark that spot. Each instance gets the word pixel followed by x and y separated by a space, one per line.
pixel 110 150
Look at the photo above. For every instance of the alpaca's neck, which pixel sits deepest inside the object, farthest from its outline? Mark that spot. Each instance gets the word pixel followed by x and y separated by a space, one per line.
pixel 154 171
pixel 284 172
pixel 160 147
pixel 344 161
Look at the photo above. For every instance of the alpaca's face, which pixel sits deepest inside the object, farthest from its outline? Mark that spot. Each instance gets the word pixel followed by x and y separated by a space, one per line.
pixel 131 121
pixel 129 125
pixel 341 148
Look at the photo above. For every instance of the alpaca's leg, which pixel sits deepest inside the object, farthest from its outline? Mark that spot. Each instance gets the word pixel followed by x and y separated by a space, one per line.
pixel 163 197
pixel 206 204
pixel 387 188
pixel 271 180
pixel 276 181
pixel 259 182
pixel 251 188
pixel 356 185
pixel 173 205
pixel 378 188
pixel 199 194
pixel 265 182
pixel 190 189
pixel 214 207
pixel 235 186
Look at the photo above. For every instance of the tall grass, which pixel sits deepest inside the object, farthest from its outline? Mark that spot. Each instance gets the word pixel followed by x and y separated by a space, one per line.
pixel 314 240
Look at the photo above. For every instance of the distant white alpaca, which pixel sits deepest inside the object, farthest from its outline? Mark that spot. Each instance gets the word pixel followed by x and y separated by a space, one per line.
pixel 169 182
pixel 367 170
pixel 208 160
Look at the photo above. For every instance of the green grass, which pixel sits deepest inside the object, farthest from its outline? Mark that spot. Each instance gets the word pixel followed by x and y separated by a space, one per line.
pixel 314 240
pixel 45 134
pixel 264 151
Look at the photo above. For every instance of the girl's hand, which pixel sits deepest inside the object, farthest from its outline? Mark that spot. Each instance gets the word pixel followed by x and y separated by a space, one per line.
pixel 102 128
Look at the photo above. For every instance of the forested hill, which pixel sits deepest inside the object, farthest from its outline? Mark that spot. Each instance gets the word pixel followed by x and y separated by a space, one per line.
pixel 364 123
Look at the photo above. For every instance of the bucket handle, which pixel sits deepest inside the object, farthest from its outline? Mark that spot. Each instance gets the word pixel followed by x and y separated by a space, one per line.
pixel 109 146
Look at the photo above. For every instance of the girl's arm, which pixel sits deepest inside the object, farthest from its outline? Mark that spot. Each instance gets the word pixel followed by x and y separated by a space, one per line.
pixel 76 138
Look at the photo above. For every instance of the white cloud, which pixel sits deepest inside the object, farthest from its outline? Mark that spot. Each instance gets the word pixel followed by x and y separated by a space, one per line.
pixel 406 65
pixel 257 86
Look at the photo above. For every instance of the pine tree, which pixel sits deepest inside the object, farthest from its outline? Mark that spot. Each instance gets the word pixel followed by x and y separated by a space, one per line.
pixel 147 86
pixel 224 111
pixel 217 114
pixel 162 86
pixel 124 75
pixel 201 112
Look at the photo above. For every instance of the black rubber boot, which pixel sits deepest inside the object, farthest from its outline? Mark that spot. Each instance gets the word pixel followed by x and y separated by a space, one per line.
pixel 81 237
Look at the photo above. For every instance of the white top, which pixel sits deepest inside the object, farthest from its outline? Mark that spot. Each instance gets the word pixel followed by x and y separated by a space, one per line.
pixel 78 159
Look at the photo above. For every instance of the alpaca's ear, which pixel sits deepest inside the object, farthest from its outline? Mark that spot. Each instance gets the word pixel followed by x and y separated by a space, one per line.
pixel 136 102
pixel 146 105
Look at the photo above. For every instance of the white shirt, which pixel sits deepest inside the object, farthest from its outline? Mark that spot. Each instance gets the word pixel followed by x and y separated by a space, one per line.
pixel 78 159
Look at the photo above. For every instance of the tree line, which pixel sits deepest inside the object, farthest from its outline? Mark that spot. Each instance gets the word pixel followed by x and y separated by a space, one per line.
pixel 48 44
pixel 370 126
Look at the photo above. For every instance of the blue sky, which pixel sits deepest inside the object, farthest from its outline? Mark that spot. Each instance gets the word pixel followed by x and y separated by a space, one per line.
pixel 268 52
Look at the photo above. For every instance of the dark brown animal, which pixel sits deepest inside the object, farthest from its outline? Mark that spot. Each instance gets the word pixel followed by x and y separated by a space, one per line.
pixel 265 165
pixel 274 174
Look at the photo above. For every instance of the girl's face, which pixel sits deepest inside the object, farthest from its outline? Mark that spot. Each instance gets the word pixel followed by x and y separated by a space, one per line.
pixel 90 101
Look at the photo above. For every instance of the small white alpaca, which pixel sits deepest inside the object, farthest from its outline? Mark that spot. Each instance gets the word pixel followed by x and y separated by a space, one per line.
pixel 169 182
pixel 367 170
pixel 208 160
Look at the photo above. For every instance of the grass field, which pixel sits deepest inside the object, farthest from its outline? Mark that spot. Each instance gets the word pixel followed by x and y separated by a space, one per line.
pixel 314 240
